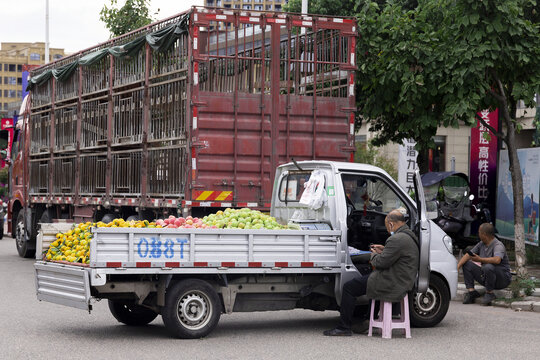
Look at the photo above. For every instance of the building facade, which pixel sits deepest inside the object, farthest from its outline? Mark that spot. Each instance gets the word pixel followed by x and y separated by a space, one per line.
pixel 13 57
pixel 256 5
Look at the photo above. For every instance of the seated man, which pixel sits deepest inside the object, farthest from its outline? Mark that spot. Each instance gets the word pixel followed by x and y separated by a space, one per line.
pixel 489 266
pixel 395 268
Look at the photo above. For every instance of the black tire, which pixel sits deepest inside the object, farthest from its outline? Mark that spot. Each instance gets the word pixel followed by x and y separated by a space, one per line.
pixel 133 218
pixel 107 218
pixel 192 309
pixel 22 238
pixel 427 310
pixel 131 314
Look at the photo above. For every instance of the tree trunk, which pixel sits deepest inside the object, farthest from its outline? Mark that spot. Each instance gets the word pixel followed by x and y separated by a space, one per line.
pixel 517 188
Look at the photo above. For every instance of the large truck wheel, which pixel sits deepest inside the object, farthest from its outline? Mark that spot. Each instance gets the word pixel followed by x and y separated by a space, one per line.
pixel 22 238
pixel 192 309
pixel 427 310
pixel 131 314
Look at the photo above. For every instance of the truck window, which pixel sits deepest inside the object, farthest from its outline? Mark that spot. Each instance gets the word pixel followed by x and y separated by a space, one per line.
pixel 292 186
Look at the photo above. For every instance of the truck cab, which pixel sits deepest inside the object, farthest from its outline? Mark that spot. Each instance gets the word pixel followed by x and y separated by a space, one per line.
pixel 355 199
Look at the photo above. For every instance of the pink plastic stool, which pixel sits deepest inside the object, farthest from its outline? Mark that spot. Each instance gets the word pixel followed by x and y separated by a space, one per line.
pixel 385 321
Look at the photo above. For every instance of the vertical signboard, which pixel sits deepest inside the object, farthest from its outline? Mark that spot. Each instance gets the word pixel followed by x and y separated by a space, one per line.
pixel 483 164
pixel 7 124
pixel 529 160
pixel 407 164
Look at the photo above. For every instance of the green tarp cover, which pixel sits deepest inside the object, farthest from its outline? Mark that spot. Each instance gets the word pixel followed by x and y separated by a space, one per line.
pixel 160 40
pixel 39 79
pixel 163 39
pixel 64 72
pixel 129 49
pixel 92 58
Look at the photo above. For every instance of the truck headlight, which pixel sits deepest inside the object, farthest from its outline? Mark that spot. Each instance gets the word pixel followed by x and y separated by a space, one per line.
pixel 447 240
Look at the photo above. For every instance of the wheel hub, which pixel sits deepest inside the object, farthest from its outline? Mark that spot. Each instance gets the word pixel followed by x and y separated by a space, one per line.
pixel 19 235
pixel 193 310
pixel 426 302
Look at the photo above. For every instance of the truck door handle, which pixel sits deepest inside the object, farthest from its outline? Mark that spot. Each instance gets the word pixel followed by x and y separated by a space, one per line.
pixel 329 238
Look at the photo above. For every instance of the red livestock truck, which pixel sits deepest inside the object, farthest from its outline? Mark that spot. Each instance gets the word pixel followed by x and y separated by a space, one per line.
pixel 186 115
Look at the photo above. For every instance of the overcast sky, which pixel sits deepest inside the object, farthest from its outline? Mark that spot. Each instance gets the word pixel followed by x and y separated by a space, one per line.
pixel 73 24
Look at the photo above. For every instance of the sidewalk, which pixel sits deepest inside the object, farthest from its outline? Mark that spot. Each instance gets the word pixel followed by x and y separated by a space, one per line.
pixel 526 303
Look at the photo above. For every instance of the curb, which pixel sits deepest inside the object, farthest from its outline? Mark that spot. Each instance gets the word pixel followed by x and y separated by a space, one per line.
pixel 528 303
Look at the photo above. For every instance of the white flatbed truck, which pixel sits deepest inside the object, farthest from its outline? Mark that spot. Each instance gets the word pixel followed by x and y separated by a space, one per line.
pixel 192 276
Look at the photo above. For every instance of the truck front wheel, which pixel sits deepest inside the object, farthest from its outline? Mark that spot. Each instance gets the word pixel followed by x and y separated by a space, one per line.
pixel 192 309
pixel 429 309
pixel 131 314
pixel 21 238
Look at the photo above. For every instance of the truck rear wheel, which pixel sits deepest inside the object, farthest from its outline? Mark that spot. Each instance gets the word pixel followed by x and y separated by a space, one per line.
pixel 21 238
pixel 131 314
pixel 427 310
pixel 192 309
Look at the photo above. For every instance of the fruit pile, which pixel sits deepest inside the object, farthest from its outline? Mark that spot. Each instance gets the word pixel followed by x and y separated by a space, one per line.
pixel 189 222
pixel 242 219
pixel 74 245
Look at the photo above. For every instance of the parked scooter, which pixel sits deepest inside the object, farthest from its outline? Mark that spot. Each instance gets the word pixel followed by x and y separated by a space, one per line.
pixel 450 206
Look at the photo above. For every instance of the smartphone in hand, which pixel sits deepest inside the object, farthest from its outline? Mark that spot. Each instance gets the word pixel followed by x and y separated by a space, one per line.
pixel 471 253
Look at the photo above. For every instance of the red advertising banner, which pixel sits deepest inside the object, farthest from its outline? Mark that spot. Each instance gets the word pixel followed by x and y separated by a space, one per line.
pixel 7 124
pixel 483 164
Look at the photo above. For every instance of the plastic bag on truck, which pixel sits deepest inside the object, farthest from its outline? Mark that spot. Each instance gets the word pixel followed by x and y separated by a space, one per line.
pixel 314 195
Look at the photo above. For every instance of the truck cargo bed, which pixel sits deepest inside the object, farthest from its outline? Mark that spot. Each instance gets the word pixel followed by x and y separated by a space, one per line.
pixel 194 248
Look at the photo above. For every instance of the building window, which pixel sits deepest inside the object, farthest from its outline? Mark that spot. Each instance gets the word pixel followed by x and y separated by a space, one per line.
pixel 10 93
pixel 258 7
pixel 277 7
pixel 5 106
pixel 12 67
pixel 268 7
pixel 57 56
pixel 218 3
pixel 10 80
pixel 35 57
pixel 19 81
pixel 246 7
pixel 237 6
pixel 19 68
pixel 6 67
pixel 19 93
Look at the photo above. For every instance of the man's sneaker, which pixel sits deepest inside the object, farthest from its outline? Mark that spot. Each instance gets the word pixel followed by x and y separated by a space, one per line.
pixel 488 298
pixel 470 296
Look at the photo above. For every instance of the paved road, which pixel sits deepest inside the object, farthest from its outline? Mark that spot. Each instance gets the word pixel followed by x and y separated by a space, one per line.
pixel 33 330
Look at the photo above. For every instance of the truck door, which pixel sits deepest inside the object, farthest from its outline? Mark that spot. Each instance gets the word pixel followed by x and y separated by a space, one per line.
pixel 423 231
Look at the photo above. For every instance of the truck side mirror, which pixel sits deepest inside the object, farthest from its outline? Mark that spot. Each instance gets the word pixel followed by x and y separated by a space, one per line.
pixel 4 139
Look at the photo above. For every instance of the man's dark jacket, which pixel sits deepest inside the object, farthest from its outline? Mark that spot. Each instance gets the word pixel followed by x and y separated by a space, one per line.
pixel 395 268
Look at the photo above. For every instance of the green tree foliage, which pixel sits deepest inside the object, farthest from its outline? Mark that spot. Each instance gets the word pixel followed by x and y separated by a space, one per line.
pixel 442 62
pixel 341 7
pixel 369 154
pixel 120 20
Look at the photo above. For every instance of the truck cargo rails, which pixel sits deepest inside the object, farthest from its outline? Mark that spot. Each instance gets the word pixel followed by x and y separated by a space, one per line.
pixel 183 116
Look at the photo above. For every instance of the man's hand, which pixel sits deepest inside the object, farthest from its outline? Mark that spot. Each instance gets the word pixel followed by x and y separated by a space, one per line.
pixel 475 258
pixel 377 249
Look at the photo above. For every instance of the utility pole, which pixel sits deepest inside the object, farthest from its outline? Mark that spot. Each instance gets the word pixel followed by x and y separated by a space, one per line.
pixel 46 31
